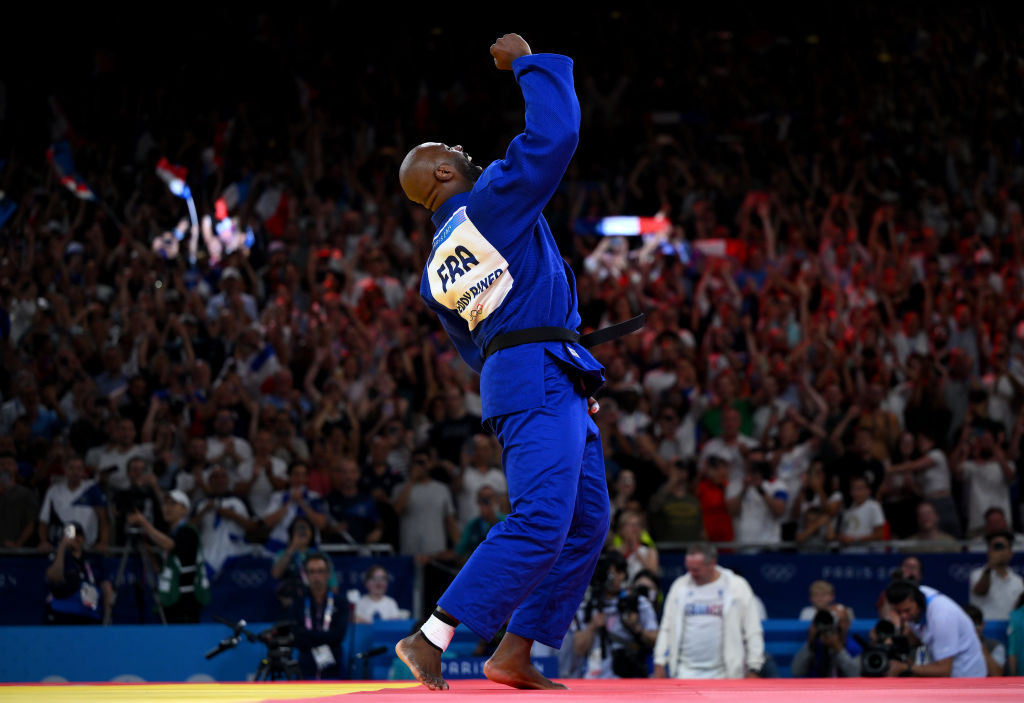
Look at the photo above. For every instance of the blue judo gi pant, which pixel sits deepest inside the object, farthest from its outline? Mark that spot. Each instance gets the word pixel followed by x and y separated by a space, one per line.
pixel 535 565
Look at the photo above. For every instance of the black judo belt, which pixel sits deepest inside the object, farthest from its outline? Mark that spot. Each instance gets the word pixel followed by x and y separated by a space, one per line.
pixel 560 334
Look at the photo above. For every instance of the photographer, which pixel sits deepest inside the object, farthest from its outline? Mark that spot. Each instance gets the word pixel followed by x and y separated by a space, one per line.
pixel 184 586
pixel 79 592
pixel 320 622
pixel 616 627
pixel 884 645
pixel 941 626
pixel 143 494
pixel 995 587
pixel 825 653
pixel 289 564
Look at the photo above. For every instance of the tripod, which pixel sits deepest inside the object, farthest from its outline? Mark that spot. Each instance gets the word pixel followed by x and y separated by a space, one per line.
pixel 148 572
pixel 278 664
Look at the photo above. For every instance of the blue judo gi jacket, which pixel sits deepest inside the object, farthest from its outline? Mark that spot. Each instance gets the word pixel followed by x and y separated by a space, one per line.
pixel 494 266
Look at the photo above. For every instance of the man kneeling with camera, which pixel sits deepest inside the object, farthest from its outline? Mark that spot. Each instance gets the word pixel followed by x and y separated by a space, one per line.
pixel 826 653
pixel 616 627
pixel 941 626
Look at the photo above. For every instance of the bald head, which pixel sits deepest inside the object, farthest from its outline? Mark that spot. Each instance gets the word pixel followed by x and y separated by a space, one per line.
pixel 433 172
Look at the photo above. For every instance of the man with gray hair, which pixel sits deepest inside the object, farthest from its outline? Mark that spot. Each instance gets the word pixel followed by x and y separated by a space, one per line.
pixel 710 628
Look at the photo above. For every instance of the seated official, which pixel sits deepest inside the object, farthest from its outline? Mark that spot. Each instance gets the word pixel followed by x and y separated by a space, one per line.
pixel 321 619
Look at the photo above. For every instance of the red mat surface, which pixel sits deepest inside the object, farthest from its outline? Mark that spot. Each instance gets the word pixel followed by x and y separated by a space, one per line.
pixel 742 691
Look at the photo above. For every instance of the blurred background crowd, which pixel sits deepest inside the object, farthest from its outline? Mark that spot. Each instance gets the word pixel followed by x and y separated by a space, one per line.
pixel 834 352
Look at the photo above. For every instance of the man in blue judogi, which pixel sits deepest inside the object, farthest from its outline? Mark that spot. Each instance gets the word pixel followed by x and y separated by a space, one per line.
pixel 508 302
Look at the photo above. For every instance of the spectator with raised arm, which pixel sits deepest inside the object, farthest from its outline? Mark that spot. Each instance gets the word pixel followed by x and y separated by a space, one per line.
pixel 995 587
pixel 79 591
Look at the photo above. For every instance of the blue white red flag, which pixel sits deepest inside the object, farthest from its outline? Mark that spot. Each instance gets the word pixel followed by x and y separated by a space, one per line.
pixel 272 206
pixel 236 193
pixel 174 177
pixel 59 155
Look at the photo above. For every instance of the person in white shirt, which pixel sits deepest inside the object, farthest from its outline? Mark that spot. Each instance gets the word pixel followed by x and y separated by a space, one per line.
pixel 110 461
pixel 864 520
pixel 793 458
pixel 662 377
pixel 478 470
pixel 731 445
pixel 933 477
pixel 980 462
pixel 944 629
pixel 376 604
pixel 75 499
pixel 710 627
pixel 995 588
pixel 223 447
pixel 257 477
pixel 222 519
pixel 757 505
pixel 287 504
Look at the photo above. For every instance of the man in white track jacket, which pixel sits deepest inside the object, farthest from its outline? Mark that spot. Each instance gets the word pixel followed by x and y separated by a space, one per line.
pixel 711 628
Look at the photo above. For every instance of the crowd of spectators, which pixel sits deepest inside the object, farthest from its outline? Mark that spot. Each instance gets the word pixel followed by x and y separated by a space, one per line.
pixel 834 352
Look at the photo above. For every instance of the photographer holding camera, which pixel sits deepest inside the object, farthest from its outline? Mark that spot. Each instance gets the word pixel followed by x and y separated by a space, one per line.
pixel 941 626
pixel 184 587
pixel 142 494
pixel 995 588
pixel 825 653
pixel 617 628
pixel 79 592
pixel 883 646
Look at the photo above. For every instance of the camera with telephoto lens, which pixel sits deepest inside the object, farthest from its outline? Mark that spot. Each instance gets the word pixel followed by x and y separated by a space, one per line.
pixel 279 640
pixel 888 647
pixel 824 622
pixel 628 603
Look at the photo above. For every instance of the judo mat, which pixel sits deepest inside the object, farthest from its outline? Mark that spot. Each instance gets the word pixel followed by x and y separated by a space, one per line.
pixel 741 691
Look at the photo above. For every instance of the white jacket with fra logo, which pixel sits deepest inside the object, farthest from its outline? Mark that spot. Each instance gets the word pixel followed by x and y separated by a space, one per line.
pixel 742 633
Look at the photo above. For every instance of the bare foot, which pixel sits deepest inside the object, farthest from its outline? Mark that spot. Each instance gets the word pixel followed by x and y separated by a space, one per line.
pixel 423 659
pixel 511 665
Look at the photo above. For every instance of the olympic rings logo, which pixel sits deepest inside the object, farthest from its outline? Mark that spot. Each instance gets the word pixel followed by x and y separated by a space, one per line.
pixel 961 572
pixel 778 572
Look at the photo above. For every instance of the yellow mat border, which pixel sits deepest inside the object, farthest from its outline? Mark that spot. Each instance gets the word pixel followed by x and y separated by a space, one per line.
pixel 213 692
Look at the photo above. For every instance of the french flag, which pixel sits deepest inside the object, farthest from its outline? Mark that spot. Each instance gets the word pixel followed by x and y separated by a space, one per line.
pixel 59 155
pixel 623 226
pixel 236 193
pixel 174 177
pixel 272 207
pixel 721 248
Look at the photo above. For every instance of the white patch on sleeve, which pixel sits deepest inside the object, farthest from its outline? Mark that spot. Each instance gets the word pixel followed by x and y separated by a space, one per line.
pixel 467 274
